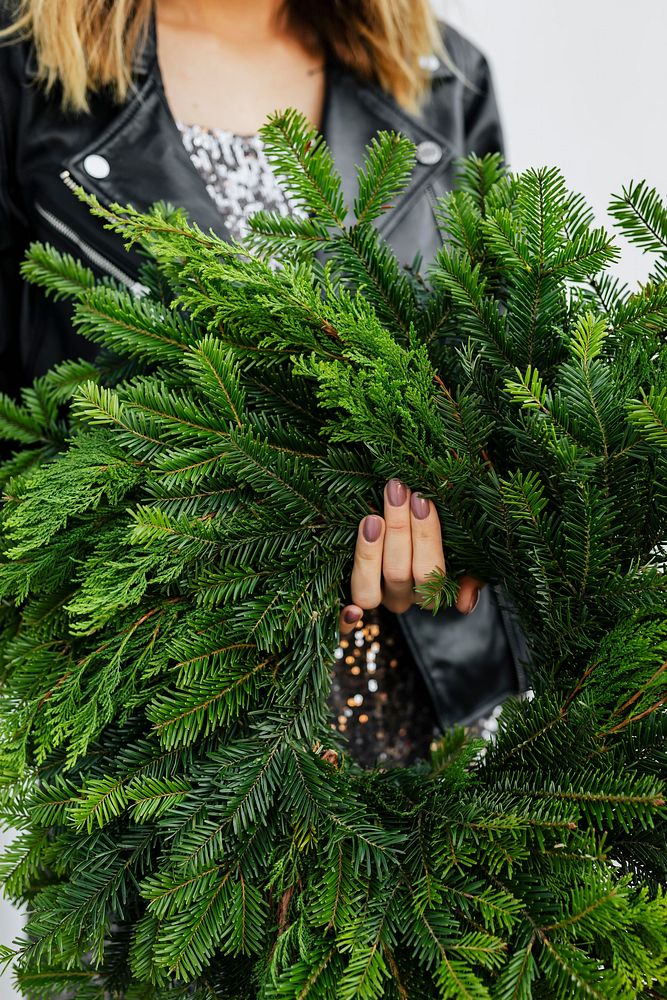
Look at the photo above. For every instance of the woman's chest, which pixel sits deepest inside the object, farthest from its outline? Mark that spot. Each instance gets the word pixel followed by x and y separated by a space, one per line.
pixel 221 83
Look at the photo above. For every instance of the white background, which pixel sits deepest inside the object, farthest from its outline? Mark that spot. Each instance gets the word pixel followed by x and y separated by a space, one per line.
pixel 581 84
pixel 9 926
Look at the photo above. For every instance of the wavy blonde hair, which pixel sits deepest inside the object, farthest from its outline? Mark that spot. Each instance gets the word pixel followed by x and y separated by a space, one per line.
pixel 86 45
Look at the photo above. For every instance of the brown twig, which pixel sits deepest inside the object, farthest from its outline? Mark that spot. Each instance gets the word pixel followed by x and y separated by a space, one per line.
pixel 639 693
pixel 283 909
pixel 579 685
pixel 391 962
pixel 641 715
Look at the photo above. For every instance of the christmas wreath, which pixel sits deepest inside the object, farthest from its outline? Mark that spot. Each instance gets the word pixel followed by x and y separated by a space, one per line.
pixel 177 526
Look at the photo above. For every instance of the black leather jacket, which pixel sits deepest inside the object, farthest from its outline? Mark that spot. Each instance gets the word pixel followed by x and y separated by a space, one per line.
pixel 134 153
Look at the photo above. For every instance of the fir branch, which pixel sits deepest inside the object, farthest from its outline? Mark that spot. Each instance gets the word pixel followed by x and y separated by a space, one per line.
pixel 176 536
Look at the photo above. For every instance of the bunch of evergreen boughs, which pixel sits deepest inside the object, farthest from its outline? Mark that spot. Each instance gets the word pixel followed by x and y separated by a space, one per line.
pixel 173 557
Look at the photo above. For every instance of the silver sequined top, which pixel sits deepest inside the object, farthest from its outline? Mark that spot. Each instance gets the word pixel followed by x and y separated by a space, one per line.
pixel 237 174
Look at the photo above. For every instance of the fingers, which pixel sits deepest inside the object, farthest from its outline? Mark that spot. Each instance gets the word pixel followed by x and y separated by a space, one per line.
pixel 398 593
pixel 469 591
pixel 366 582
pixel 397 553
pixel 350 619
pixel 427 551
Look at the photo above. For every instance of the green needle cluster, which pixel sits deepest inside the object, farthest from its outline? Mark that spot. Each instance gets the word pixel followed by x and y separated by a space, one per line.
pixel 178 526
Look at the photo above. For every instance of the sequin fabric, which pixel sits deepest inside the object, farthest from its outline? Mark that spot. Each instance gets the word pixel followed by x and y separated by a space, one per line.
pixel 237 175
pixel 379 701
pixel 379 698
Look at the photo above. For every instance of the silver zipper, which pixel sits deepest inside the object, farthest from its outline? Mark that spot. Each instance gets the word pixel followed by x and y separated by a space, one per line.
pixel 66 178
pixel 93 255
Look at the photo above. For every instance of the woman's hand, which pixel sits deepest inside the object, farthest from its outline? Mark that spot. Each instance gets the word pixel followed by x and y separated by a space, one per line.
pixel 395 553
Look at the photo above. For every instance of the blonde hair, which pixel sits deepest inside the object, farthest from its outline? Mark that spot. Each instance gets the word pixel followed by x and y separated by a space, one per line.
pixel 86 45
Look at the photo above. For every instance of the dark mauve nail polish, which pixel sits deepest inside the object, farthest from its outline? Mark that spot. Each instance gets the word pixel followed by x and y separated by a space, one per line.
pixel 397 494
pixel 351 616
pixel 420 507
pixel 372 528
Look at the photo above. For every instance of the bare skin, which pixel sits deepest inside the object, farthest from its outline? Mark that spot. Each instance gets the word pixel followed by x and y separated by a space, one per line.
pixel 229 64
pixel 395 553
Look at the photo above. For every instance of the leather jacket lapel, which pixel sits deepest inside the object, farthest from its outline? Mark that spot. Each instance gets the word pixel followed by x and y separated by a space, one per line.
pixel 164 171
pixel 354 113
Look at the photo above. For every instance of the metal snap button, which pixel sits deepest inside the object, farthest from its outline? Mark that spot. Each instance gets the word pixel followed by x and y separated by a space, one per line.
pixel 428 152
pixel 96 166
pixel 429 62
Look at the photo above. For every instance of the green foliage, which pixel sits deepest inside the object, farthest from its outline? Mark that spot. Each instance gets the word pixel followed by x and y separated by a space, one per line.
pixel 174 546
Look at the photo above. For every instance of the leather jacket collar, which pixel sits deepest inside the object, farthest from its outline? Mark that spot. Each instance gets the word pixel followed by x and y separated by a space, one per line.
pixel 353 113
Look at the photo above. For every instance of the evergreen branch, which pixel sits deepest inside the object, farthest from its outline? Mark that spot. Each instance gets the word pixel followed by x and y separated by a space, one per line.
pixel 388 165
pixel 299 155
pixel 649 415
pixel 641 216
pixel 179 521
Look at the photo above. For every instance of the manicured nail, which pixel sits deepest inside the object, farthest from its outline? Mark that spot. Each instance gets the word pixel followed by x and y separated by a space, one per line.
pixel 397 494
pixel 372 528
pixel 351 615
pixel 474 601
pixel 420 507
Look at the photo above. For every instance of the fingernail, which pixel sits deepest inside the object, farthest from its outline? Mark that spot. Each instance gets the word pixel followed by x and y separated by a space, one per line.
pixel 474 601
pixel 420 507
pixel 397 494
pixel 372 528
pixel 351 615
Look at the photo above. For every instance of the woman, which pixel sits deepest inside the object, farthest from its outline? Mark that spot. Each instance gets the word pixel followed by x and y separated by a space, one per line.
pixel 140 101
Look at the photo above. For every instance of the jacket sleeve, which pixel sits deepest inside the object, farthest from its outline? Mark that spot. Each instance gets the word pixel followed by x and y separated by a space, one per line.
pixel 470 663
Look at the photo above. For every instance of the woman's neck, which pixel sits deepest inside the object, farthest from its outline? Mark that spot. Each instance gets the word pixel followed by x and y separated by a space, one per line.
pixel 241 21
pixel 230 63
